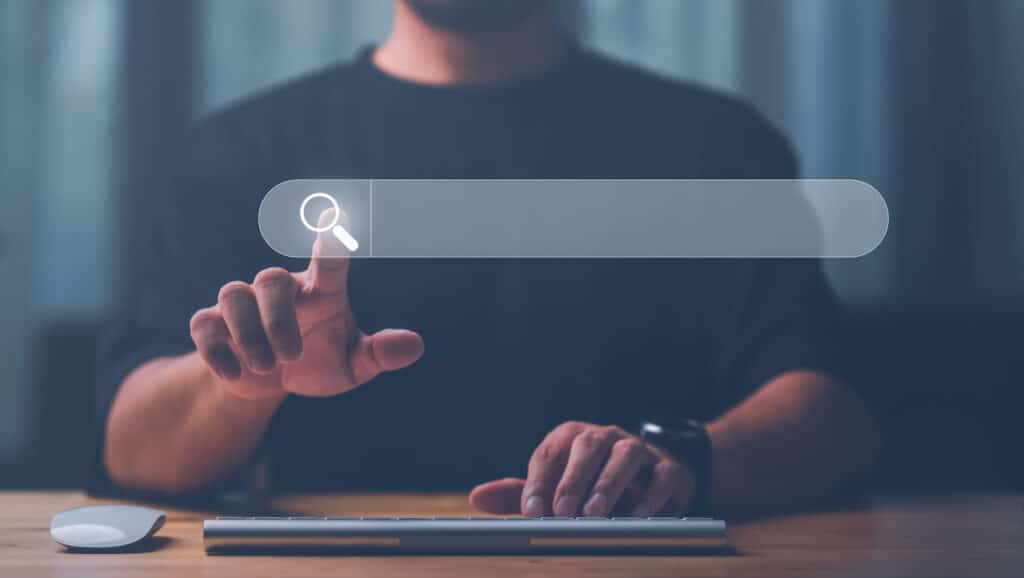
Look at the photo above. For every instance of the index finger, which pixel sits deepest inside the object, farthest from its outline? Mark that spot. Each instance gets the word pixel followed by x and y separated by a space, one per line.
pixel 545 469
pixel 328 268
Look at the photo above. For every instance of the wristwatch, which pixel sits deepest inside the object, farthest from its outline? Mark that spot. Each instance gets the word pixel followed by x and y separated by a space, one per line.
pixel 686 440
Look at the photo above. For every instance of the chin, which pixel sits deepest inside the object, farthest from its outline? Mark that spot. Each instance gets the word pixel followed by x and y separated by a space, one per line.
pixel 475 16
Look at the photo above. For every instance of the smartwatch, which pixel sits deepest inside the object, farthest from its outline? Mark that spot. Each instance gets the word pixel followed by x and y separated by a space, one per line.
pixel 686 440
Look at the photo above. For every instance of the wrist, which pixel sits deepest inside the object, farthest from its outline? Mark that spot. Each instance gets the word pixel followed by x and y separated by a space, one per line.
pixel 230 400
pixel 232 396
pixel 687 441
pixel 230 403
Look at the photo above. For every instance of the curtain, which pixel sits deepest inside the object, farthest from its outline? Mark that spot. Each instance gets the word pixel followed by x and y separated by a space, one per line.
pixel 918 97
pixel 58 103
pixel 249 44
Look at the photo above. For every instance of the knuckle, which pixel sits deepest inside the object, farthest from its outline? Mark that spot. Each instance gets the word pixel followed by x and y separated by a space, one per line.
pixel 616 431
pixel 272 277
pixel 203 324
pixel 629 447
pixel 546 453
pixel 200 318
pixel 233 291
pixel 590 439
pixel 542 453
pixel 669 469
pixel 570 428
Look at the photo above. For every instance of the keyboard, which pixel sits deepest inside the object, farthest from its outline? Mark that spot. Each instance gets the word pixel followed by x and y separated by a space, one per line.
pixel 226 535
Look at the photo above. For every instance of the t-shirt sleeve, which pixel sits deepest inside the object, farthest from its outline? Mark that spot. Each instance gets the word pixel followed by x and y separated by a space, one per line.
pixel 199 235
pixel 765 317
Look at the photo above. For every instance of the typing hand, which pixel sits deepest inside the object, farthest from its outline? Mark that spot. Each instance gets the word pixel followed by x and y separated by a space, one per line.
pixel 590 470
pixel 296 333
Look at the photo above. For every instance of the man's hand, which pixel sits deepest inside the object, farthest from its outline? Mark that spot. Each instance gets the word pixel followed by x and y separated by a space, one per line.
pixel 296 333
pixel 593 470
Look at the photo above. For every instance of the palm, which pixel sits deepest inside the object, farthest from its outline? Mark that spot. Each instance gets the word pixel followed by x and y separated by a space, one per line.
pixel 336 356
pixel 329 335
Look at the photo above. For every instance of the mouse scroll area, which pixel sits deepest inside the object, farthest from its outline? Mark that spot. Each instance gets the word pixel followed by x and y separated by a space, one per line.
pixel 88 534
pixel 105 527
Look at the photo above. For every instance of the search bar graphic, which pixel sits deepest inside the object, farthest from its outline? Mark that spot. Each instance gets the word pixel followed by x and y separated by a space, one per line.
pixel 339 232
pixel 621 219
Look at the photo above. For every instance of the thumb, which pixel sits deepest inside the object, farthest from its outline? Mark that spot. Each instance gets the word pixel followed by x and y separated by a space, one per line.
pixel 388 350
pixel 498 497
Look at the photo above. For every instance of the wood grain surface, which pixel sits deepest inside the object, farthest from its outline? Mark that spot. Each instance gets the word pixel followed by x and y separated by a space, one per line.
pixel 939 536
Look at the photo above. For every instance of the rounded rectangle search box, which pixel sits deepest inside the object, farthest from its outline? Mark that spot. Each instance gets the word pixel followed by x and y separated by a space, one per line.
pixel 576 218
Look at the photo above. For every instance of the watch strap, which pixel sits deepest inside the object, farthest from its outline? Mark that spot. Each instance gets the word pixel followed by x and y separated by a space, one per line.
pixel 687 441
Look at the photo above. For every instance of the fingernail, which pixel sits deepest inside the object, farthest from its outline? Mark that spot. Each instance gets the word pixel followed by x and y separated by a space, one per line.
pixel 567 506
pixel 261 366
pixel 291 352
pixel 263 361
pixel 597 505
pixel 534 507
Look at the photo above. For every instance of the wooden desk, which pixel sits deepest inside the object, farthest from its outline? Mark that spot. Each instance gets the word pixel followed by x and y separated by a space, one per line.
pixel 956 537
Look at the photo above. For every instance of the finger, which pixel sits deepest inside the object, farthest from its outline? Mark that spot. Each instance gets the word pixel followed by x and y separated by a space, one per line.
pixel 545 469
pixel 634 493
pixel 275 296
pixel 668 479
pixel 388 350
pixel 213 342
pixel 499 497
pixel 328 269
pixel 237 303
pixel 589 451
pixel 628 455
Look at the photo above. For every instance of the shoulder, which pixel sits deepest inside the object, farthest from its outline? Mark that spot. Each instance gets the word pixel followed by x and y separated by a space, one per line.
pixel 261 126
pixel 307 94
pixel 725 130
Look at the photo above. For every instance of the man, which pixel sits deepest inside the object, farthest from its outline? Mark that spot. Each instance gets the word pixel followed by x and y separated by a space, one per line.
pixel 534 369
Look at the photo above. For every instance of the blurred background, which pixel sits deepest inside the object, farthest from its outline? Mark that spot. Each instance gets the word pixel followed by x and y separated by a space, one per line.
pixel 922 98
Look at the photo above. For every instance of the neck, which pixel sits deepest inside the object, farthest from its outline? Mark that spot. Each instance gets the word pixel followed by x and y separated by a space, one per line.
pixel 418 52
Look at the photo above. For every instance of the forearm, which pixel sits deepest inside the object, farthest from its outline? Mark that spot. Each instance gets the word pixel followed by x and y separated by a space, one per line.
pixel 174 428
pixel 794 440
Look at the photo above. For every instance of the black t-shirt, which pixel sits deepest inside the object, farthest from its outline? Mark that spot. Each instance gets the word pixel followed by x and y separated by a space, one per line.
pixel 513 347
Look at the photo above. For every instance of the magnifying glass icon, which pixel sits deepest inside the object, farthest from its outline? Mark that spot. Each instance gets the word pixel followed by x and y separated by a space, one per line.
pixel 336 229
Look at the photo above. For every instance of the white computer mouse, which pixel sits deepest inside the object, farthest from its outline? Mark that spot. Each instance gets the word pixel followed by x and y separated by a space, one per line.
pixel 105 527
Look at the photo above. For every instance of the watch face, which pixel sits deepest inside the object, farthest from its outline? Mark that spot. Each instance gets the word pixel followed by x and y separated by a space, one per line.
pixel 649 428
pixel 684 429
